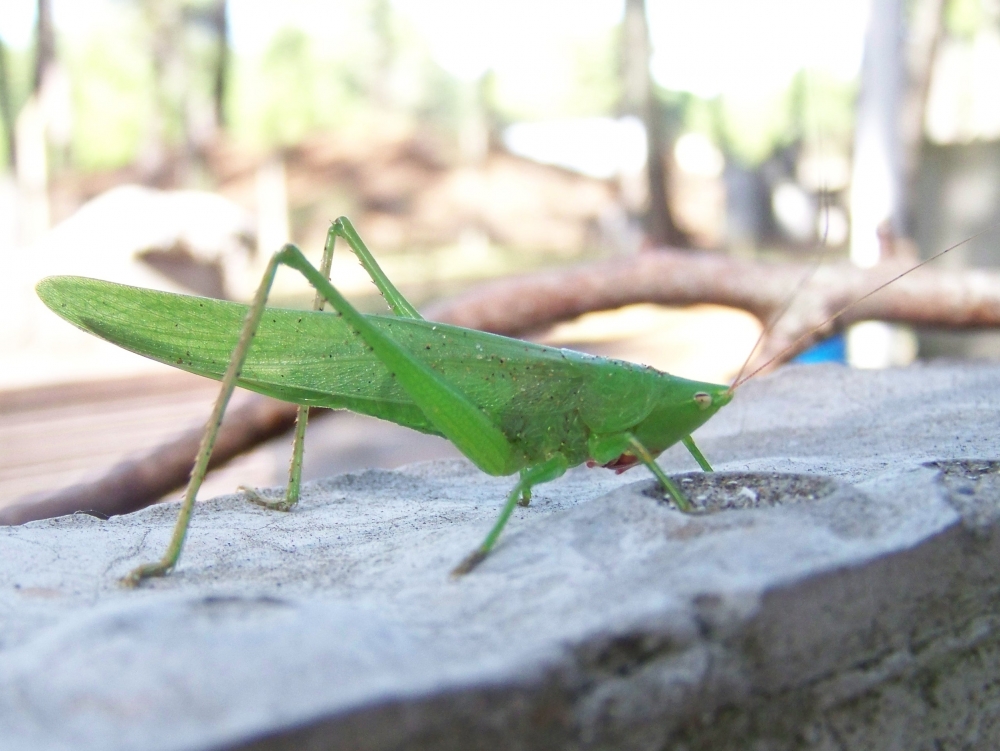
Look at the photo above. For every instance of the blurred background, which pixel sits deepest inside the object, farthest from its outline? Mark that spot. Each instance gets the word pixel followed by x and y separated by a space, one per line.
pixel 176 144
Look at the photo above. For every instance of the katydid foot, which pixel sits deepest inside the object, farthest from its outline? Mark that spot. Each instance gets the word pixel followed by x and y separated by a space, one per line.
pixel 147 571
pixel 470 561
pixel 257 498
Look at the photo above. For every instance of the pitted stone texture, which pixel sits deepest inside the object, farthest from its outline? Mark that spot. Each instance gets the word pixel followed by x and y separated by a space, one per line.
pixel 838 589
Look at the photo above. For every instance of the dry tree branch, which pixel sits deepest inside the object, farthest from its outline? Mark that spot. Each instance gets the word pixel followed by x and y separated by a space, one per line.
pixel 949 299
pixel 926 297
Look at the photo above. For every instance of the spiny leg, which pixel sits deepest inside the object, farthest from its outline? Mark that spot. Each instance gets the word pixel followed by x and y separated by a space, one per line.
pixel 293 489
pixel 699 457
pixel 250 323
pixel 666 483
pixel 343 228
pixel 545 472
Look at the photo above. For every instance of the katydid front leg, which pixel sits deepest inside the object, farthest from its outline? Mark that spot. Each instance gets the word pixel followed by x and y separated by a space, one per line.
pixel 605 448
pixel 699 457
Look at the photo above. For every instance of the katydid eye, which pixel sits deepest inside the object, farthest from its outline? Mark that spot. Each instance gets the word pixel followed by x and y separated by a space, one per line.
pixel 704 400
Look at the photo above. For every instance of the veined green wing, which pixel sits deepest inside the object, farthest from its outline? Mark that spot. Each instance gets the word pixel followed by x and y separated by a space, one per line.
pixel 313 358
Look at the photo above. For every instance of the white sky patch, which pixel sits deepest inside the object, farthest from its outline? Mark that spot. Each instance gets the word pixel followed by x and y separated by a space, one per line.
pixel 597 146
pixel 253 23
pixel 17 23
pixel 741 48
pixel 77 19
pixel 510 36
pixel 708 48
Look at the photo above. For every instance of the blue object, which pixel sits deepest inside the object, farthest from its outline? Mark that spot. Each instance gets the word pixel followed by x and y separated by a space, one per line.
pixel 833 349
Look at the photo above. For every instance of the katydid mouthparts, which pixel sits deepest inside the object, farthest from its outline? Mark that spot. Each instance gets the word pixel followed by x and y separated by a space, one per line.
pixel 510 406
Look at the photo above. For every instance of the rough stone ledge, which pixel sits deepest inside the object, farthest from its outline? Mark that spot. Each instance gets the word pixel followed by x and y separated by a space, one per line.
pixel 839 590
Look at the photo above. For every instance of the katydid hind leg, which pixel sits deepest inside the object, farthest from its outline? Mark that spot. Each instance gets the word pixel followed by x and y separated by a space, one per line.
pixel 547 471
pixel 250 324
pixel 461 421
pixel 342 227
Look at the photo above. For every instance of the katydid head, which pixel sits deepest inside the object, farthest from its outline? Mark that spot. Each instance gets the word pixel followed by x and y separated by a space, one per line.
pixel 682 407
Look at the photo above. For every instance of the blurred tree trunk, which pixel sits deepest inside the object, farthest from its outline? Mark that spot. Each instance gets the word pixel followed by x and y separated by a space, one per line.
pixel 925 30
pixel 878 180
pixel 220 25
pixel 31 134
pixel 45 53
pixel 895 79
pixel 640 99
pixel 187 39
pixel 900 48
pixel 163 20
pixel 385 53
pixel 7 108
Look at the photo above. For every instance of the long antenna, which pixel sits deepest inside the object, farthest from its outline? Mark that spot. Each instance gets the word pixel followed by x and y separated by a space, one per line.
pixel 773 321
pixel 740 381
pixel 824 206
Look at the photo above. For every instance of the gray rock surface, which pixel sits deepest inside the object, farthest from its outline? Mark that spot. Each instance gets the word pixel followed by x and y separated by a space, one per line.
pixel 841 590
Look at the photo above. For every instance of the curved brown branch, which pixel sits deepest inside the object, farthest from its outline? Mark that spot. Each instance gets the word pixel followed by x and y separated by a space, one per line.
pixel 926 297
pixel 518 305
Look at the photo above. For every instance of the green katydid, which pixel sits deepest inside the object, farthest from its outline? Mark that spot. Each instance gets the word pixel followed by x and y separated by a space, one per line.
pixel 509 406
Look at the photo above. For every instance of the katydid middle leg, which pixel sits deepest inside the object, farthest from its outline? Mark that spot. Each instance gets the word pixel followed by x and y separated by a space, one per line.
pixel 293 489
pixel 399 305
pixel 547 471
